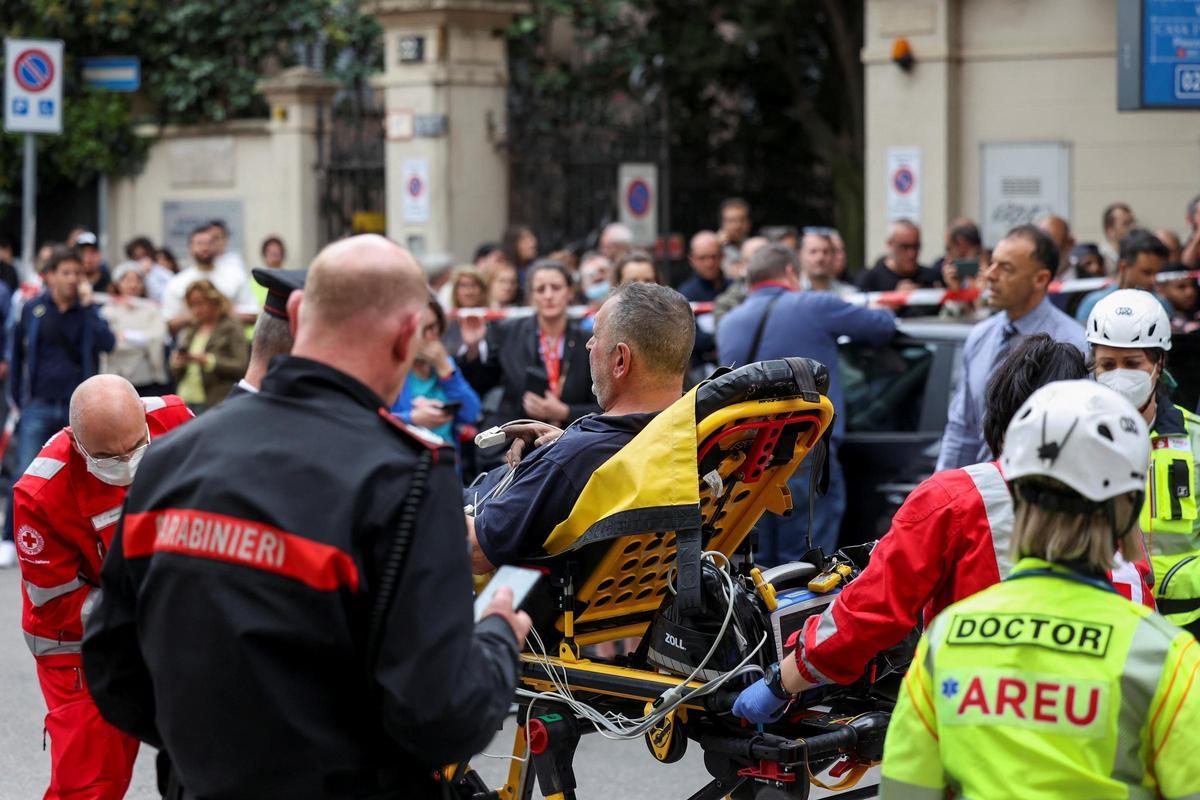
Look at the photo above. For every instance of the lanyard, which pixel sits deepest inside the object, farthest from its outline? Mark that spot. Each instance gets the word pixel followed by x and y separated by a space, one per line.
pixel 1095 583
pixel 551 350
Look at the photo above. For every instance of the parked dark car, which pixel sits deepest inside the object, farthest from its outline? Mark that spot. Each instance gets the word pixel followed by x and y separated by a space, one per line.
pixel 896 399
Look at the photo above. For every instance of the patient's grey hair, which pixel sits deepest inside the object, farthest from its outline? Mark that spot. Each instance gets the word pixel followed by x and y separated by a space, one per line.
pixel 658 325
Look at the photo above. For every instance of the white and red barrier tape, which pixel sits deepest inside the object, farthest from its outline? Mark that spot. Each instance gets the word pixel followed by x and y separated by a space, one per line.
pixel 897 299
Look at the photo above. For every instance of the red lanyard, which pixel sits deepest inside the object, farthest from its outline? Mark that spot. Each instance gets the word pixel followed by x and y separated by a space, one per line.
pixel 551 349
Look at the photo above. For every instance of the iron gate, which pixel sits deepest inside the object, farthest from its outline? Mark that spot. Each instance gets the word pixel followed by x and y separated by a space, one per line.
pixel 350 165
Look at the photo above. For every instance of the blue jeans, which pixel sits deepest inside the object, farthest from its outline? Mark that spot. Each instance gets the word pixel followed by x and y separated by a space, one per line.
pixel 40 419
pixel 784 539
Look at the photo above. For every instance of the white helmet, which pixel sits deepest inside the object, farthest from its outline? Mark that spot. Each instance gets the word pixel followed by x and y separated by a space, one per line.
pixel 1129 318
pixel 1081 434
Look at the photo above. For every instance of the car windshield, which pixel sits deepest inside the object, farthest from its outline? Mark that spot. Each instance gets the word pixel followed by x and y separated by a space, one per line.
pixel 884 386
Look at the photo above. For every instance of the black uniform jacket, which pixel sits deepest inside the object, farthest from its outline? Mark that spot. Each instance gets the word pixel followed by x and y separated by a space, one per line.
pixel 512 347
pixel 236 597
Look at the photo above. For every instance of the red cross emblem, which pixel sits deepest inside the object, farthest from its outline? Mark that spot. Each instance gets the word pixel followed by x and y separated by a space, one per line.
pixel 30 541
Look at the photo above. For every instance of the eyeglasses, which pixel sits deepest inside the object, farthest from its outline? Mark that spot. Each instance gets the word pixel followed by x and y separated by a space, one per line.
pixel 908 246
pixel 112 461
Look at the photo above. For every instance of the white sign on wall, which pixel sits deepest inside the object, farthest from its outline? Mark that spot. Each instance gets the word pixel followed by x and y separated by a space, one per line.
pixel 904 184
pixel 181 217
pixel 1022 182
pixel 637 195
pixel 33 85
pixel 416 190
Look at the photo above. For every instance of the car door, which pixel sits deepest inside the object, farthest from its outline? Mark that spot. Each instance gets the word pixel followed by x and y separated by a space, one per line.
pixel 896 398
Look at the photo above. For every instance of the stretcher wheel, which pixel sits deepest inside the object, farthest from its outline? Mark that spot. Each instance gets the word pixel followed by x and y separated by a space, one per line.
pixel 667 742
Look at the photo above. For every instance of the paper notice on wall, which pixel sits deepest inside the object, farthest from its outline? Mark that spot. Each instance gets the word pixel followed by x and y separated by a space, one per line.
pixel 1023 182
pixel 904 184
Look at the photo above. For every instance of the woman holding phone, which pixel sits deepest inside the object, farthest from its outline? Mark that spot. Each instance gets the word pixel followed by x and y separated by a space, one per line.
pixel 435 395
pixel 539 363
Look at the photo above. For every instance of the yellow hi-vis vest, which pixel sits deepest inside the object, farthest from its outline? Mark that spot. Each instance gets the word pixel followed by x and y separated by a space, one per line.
pixel 1169 514
pixel 1047 686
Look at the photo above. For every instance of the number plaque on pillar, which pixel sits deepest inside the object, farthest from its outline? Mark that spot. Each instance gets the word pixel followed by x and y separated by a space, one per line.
pixel 411 49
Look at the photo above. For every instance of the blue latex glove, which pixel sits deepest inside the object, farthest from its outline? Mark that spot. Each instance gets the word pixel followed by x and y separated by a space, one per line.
pixel 758 704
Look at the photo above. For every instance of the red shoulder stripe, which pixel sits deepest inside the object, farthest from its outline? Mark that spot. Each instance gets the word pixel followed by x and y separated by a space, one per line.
pixel 428 441
pixel 239 541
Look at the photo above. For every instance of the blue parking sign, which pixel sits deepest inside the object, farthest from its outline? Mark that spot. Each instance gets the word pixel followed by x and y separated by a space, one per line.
pixel 20 106
pixel 46 108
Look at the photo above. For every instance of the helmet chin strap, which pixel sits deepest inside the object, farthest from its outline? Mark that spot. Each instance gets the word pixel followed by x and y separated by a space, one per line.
pixel 1120 531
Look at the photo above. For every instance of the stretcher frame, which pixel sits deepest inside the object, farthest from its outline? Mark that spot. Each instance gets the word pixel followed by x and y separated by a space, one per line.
pixel 757 446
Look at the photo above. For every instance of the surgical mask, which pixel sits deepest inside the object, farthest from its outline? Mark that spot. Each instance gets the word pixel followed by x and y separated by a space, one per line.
pixel 119 474
pixel 115 470
pixel 1134 385
pixel 597 291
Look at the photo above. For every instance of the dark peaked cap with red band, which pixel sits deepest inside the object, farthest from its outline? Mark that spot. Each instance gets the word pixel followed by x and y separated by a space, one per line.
pixel 279 283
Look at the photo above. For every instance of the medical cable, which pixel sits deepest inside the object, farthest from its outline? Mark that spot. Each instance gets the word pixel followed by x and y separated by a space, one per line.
pixel 619 726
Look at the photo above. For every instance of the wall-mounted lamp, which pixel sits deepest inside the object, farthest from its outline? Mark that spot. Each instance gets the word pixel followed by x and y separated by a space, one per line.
pixel 902 54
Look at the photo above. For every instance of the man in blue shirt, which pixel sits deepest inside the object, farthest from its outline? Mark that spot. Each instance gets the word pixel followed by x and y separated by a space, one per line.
pixel 55 346
pixel 1142 257
pixel 638 355
pixel 1023 264
pixel 707 260
pixel 776 321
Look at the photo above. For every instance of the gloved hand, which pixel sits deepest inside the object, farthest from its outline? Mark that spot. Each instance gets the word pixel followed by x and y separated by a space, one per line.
pixel 758 704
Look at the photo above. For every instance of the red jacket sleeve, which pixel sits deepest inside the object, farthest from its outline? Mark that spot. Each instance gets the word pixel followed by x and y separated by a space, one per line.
pixel 54 589
pixel 165 413
pixel 879 608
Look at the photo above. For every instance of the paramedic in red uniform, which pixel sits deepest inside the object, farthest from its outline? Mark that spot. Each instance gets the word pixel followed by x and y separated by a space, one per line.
pixel 65 510
pixel 950 539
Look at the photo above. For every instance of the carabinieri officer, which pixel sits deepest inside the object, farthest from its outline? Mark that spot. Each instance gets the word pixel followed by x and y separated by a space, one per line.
pixel 287 603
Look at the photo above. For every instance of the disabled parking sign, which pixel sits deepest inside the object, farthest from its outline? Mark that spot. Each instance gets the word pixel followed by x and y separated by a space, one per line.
pixel 33 85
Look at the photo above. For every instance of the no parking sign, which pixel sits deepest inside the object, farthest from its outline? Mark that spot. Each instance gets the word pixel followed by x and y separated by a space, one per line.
pixel 33 85
pixel 637 194
pixel 904 184
pixel 416 190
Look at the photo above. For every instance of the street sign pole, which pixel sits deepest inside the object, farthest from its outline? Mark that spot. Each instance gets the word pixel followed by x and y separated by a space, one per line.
pixel 29 204
pixel 33 70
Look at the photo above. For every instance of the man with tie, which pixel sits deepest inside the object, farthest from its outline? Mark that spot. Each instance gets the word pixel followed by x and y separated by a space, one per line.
pixel 1023 265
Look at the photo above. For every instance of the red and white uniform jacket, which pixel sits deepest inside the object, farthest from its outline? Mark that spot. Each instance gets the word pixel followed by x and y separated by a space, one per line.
pixel 63 520
pixel 949 540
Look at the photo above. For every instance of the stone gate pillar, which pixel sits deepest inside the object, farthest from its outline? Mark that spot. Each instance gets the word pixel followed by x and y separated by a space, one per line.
pixel 295 96
pixel 445 81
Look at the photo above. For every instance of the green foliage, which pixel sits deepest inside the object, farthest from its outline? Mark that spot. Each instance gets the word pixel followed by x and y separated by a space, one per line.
pixel 200 60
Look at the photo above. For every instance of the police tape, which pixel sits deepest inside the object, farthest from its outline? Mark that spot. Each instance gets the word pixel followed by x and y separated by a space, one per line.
pixel 894 299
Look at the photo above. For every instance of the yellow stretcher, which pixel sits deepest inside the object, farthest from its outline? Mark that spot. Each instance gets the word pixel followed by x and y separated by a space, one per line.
pixel 697 478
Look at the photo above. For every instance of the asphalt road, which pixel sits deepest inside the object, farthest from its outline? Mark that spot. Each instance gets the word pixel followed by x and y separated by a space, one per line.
pixel 603 768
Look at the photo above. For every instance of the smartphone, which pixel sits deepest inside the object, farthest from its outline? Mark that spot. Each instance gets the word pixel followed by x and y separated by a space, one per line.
pixel 536 381
pixel 519 579
pixel 967 267
pixel 452 407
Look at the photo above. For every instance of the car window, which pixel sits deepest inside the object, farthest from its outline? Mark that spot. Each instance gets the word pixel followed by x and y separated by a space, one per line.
pixel 884 387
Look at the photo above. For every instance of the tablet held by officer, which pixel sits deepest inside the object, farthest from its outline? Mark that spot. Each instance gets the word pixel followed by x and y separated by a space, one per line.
pixel 287 603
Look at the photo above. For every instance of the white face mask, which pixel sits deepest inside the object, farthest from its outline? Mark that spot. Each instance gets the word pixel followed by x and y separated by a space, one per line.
pixel 1132 384
pixel 115 471
pixel 119 474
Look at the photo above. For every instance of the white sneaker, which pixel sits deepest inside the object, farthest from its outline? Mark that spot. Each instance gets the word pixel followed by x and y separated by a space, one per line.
pixel 8 554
